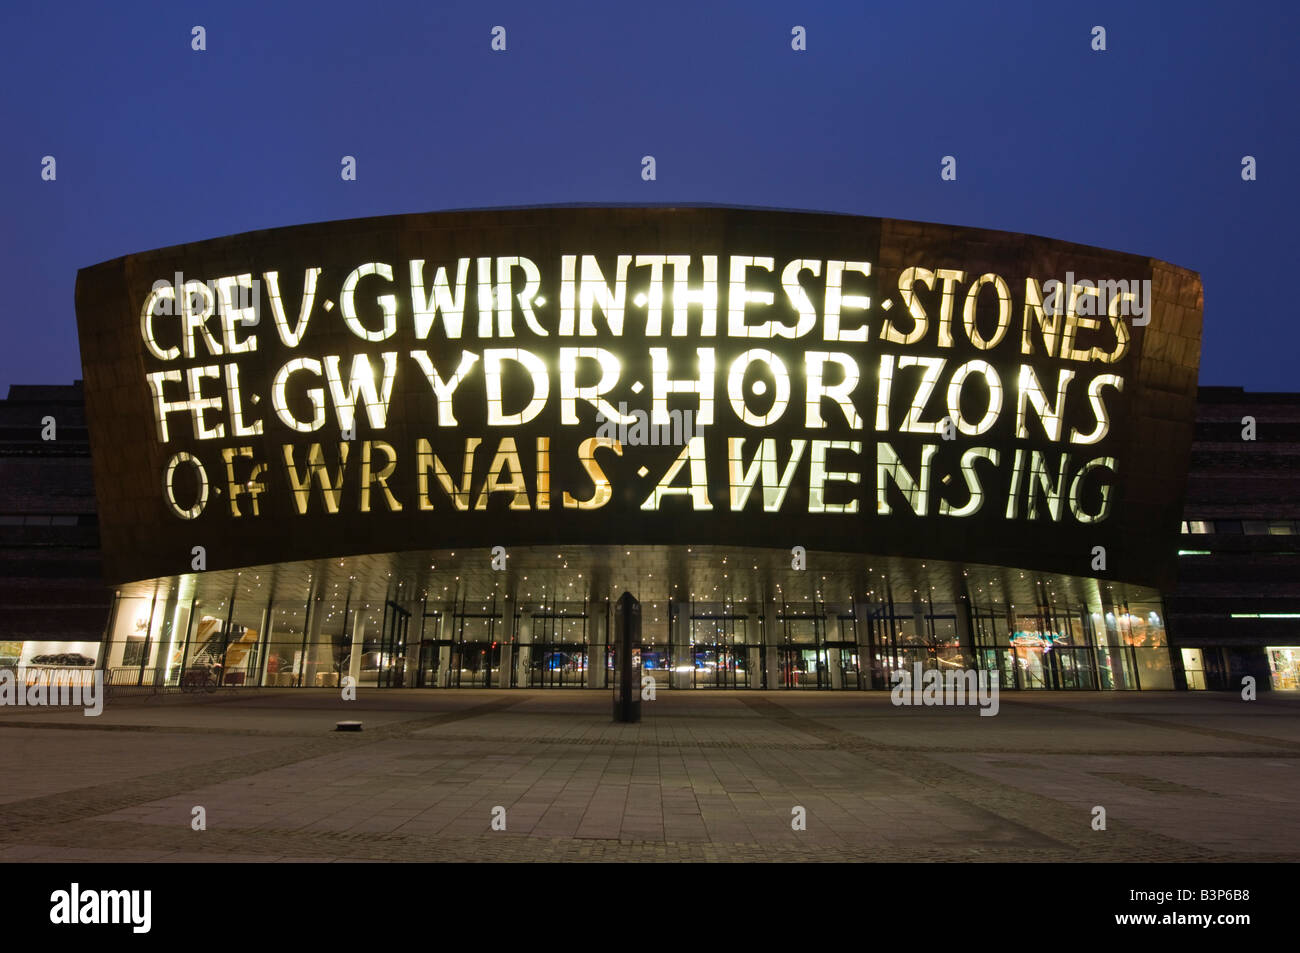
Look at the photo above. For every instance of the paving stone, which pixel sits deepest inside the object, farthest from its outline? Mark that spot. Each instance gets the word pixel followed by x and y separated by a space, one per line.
pixel 1183 778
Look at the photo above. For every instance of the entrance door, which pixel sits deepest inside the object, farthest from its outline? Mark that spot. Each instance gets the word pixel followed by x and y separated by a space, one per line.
pixel 392 647
pixel 842 665
pixel 476 665
pixel 432 653
pixel 558 655
pixel 1194 669
pixel 720 666
pixel 656 662
pixel 1029 666
pixel 802 655
pixel 800 667
pixel 475 660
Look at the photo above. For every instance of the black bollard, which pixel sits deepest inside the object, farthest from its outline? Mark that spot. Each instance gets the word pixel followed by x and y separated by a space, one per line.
pixel 627 659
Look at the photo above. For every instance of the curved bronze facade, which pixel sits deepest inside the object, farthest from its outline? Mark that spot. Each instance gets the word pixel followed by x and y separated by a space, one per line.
pixel 784 379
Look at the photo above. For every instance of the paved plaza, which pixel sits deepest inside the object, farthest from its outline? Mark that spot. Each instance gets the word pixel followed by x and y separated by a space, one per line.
pixel 711 776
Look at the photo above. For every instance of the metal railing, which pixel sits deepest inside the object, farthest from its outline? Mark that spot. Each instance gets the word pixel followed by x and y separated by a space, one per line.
pixel 126 682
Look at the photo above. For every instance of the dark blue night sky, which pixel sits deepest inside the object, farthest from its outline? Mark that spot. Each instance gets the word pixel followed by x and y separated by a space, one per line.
pixel 1138 148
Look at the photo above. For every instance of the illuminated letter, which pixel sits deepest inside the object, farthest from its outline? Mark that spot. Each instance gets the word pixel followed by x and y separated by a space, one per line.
pixel 235 404
pixel 1017 475
pixel 603 491
pixel 736 387
pixel 330 490
pixel 507 458
pixel 841 393
pixel 799 299
pixel 426 459
pixel 836 300
pixel 200 475
pixel 818 476
pixel 1120 327
pixel 568 294
pixel 1075 485
pixel 161 406
pixel 492 359
pixel 249 486
pixel 884 386
pixel 1039 479
pixel 291 338
pixel 1048 319
pixel 968 474
pixel 543 473
pixel 738 296
pixel 764 462
pixel 949 277
pixel 890 467
pixel 1076 319
pixel 361 383
pixel 200 405
pixel 684 298
pixel 232 316
pixel 196 320
pixel 1031 391
pixel 439 299
pixel 388 303
pixel 1004 312
pixel 484 269
pixel 571 393
pixel 593 291
pixel 368 478
pixel 444 390
pixel 532 282
pixel 933 368
pixel 698 491
pixel 1098 408
pixel 994 384
pixel 907 279
pixel 662 386
pixel 161 291
pixel 315 394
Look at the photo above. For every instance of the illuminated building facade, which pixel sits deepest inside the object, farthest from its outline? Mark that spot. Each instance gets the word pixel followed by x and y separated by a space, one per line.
pixel 1236 610
pixel 432 450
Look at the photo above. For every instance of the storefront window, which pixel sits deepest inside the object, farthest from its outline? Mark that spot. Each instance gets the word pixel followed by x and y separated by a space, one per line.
pixel 201 663
pixel 283 654
pixel 329 654
pixel 1284 667
pixel 1141 626
pixel 242 644
pixel 1028 641
pixel 133 641
pixel 946 647
pixel 378 657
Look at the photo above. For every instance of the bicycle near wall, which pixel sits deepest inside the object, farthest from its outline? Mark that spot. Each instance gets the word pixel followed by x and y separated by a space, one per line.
pixel 203 677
